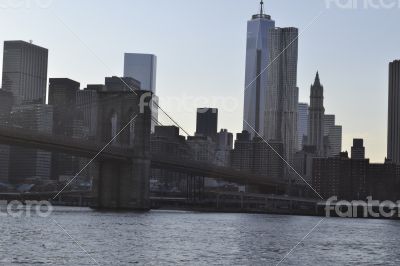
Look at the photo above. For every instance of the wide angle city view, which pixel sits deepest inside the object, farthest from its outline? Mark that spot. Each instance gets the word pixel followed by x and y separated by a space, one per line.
pixel 200 132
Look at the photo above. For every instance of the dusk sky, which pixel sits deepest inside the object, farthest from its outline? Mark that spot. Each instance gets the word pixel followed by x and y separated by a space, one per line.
pixel 200 45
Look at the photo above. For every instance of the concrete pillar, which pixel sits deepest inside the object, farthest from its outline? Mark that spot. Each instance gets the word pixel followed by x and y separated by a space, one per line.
pixel 134 185
pixel 124 185
pixel 107 187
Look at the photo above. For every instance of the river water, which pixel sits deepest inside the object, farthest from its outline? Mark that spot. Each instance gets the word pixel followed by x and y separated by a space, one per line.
pixel 80 236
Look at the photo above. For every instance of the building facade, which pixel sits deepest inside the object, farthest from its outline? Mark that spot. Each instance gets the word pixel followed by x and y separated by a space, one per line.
pixel 207 122
pixel 62 96
pixel 28 163
pixel 355 179
pixel 393 138
pixel 67 122
pixel 87 104
pixel 166 141
pixel 202 148
pixel 333 136
pixel 282 92
pixel 302 124
pixel 241 155
pixel 25 71
pixel 257 157
pixel 6 103
pixel 223 148
pixel 142 67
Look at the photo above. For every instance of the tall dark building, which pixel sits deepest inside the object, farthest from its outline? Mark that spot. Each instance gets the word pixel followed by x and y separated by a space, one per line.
pixel 358 149
pixel 316 117
pixel 25 77
pixel 207 122
pixel 6 102
pixel 393 140
pixel 25 72
pixel 62 96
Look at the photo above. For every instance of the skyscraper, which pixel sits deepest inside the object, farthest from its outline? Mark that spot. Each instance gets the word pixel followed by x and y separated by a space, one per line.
pixel 256 78
pixel 302 123
pixel 358 149
pixel 282 92
pixel 25 71
pixel 393 141
pixel 332 136
pixel 62 96
pixel 142 67
pixel 271 93
pixel 207 122
pixel 329 122
pixel 6 102
pixel 316 117
pixel 224 147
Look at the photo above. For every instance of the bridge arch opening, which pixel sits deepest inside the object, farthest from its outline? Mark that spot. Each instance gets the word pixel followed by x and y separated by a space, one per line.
pixel 111 126
pixel 128 136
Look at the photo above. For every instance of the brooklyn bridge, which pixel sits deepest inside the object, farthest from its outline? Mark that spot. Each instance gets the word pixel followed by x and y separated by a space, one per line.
pixel 125 160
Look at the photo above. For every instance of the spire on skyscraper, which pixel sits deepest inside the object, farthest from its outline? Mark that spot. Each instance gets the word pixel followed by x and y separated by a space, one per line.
pixel 262 7
pixel 261 14
pixel 317 81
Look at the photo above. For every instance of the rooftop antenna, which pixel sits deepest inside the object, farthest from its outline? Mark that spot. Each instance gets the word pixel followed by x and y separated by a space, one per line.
pixel 262 7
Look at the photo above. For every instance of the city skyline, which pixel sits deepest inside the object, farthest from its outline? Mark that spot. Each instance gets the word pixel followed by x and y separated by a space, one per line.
pixel 341 85
pixel 169 132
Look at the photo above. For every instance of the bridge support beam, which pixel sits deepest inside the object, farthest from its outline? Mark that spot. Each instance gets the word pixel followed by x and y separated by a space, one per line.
pixel 124 185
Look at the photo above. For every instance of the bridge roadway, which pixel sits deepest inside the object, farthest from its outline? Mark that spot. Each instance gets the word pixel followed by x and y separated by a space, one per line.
pixel 89 149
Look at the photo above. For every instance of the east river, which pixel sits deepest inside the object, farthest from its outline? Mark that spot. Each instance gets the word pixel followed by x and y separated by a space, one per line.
pixel 81 236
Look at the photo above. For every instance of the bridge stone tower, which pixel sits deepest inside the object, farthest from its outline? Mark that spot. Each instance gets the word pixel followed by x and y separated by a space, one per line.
pixel 124 121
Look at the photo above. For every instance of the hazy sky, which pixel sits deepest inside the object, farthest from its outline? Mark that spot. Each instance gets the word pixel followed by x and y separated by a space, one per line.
pixel 200 46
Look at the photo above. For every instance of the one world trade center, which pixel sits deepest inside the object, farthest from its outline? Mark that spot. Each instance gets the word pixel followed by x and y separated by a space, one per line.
pixel 257 61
